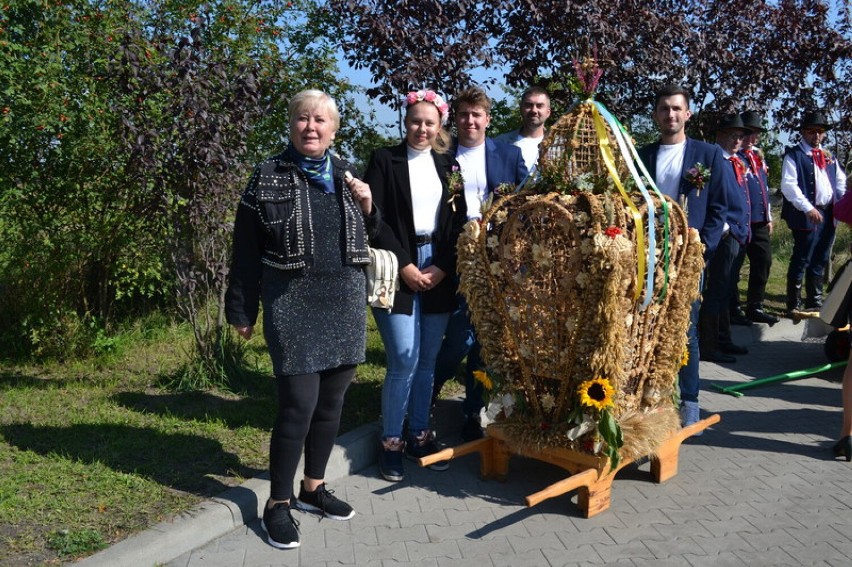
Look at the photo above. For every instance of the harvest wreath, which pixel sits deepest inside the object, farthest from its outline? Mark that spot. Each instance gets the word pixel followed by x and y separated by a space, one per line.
pixel 579 284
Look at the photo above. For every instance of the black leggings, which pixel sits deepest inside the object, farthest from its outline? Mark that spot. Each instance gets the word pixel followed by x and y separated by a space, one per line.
pixel 309 407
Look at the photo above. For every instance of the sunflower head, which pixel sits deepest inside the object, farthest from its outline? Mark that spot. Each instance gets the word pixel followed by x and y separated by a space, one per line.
pixel 596 393
pixel 684 359
pixel 482 377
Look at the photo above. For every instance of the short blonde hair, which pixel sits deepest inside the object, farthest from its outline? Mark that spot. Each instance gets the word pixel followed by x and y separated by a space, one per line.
pixel 312 99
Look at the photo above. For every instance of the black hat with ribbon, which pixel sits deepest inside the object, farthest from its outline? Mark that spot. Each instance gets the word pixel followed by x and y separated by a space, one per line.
pixel 753 121
pixel 729 121
pixel 815 119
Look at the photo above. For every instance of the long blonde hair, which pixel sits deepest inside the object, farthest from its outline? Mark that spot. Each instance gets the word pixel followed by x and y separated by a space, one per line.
pixel 442 141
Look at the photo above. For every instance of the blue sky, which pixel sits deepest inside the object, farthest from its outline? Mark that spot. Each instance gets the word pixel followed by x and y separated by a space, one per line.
pixel 388 115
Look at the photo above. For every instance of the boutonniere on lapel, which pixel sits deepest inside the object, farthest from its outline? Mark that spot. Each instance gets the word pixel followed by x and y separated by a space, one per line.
pixel 455 185
pixel 697 176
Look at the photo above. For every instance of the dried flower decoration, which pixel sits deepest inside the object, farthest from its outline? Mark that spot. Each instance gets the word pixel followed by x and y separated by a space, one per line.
pixel 588 74
pixel 697 176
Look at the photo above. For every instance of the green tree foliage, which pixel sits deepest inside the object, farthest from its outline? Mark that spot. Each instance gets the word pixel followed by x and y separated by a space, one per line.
pixel 128 129
pixel 77 238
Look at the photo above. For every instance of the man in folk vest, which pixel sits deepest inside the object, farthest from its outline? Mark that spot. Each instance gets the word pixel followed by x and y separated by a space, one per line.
pixel 811 181
pixel 759 248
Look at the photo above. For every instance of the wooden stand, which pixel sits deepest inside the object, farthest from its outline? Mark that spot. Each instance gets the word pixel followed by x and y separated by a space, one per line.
pixel 590 475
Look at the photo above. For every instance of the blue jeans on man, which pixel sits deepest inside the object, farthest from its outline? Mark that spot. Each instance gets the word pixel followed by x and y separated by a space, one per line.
pixel 460 341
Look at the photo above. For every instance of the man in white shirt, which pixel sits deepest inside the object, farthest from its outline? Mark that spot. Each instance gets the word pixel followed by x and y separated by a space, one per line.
pixel 811 182
pixel 485 164
pixel 694 174
pixel 535 110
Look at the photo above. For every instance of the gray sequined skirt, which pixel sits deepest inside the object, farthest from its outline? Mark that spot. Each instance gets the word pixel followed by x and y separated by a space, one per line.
pixel 314 321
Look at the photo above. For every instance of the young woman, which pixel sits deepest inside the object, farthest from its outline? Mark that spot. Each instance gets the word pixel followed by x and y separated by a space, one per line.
pixel 422 215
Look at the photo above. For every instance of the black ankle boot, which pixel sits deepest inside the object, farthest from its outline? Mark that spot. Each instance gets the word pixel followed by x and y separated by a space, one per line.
pixel 813 292
pixel 794 292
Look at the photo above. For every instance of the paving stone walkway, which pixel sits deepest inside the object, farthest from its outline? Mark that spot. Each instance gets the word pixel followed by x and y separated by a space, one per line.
pixel 759 489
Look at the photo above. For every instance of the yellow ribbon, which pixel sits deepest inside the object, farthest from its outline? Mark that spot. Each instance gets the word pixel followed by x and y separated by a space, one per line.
pixel 609 161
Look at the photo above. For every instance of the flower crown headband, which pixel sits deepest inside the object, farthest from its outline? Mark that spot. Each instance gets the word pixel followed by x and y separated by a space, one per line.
pixel 429 96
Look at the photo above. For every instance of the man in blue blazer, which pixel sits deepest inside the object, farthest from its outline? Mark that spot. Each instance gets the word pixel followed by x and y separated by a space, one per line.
pixel 680 166
pixel 485 164
pixel 720 279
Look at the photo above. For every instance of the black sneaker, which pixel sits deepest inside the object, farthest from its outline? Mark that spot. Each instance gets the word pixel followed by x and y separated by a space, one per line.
pixel 324 501
pixel 424 445
pixel 390 459
pixel 282 530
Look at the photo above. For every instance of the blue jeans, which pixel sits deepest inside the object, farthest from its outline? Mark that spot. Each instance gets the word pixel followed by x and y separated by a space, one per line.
pixel 411 346
pixel 688 378
pixel 460 341
pixel 811 254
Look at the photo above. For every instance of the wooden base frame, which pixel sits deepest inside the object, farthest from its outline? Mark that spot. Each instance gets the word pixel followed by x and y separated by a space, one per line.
pixel 590 475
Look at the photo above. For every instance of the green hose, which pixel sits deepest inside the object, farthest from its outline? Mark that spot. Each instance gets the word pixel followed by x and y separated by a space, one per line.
pixel 795 374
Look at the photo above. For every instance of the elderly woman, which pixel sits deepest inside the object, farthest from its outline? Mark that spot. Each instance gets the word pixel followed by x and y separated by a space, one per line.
pixel 300 246
pixel 418 187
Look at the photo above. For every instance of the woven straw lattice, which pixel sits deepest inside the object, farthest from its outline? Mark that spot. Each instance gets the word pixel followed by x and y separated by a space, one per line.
pixel 571 148
pixel 550 280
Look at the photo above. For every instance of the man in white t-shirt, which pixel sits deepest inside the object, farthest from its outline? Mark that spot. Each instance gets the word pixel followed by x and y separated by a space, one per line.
pixel 485 164
pixel 535 110
pixel 693 173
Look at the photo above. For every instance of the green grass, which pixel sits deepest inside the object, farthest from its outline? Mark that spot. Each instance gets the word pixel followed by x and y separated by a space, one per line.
pixel 92 451
pixel 782 248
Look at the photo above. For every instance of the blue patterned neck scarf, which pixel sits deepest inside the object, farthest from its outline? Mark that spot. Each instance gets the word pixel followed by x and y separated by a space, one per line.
pixel 318 170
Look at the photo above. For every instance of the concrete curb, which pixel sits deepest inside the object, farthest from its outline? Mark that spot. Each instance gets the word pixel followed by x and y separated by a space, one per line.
pixel 237 506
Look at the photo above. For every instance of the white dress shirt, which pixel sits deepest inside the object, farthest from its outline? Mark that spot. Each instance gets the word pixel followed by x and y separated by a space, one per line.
pixel 824 196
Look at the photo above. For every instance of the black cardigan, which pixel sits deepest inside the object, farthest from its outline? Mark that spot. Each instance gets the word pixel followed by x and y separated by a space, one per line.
pixel 387 175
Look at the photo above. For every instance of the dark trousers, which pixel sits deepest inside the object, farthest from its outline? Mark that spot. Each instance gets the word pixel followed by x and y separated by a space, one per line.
pixel 811 252
pixel 713 317
pixel 719 275
pixel 309 407
pixel 759 253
